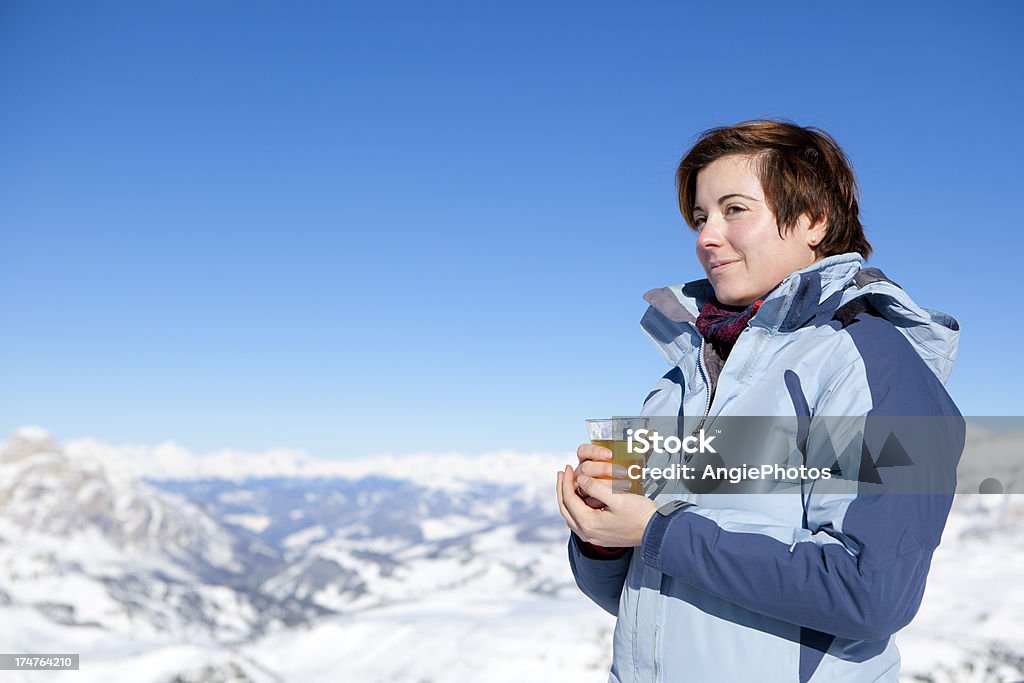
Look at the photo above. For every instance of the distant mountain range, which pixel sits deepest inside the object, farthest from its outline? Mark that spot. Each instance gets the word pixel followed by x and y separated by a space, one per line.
pixel 158 565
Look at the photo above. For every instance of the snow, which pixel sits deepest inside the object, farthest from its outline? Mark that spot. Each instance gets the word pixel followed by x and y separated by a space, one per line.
pixel 301 539
pixel 466 602
pixel 446 471
pixel 450 638
pixel 254 523
pixel 447 527
pixel 973 600
pixel 32 433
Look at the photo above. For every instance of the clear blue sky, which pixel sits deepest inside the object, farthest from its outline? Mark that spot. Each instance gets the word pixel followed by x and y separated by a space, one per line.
pixel 364 227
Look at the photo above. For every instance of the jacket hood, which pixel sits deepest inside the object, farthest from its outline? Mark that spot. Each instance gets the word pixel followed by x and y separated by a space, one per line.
pixel 808 297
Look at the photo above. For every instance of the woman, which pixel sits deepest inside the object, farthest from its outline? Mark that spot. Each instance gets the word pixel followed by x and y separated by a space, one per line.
pixel 788 323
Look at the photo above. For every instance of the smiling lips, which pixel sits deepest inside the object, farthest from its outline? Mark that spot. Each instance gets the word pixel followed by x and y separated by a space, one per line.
pixel 718 266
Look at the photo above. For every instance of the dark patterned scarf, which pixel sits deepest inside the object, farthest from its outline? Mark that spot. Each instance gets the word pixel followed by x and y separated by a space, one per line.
pixel 721 325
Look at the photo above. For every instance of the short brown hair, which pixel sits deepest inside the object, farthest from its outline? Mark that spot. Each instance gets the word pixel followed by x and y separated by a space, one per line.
pixel 803 170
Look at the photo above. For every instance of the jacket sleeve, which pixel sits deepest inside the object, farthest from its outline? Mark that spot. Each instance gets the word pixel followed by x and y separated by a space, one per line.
pixel 856 568
pixel 601 579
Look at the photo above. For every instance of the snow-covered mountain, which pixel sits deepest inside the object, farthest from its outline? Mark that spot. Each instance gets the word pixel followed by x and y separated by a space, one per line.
pixel 158 565
pixel 89 546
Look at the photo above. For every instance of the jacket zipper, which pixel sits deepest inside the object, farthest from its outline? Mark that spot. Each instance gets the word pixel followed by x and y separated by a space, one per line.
pixel 657 663
pixel 686 458
pixel 707 402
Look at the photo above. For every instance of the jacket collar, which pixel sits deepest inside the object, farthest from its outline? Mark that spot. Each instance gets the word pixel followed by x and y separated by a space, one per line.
pixel 809 296
pixel 786 306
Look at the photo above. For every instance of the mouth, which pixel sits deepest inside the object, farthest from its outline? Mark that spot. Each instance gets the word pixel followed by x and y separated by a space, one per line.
pixel 716 267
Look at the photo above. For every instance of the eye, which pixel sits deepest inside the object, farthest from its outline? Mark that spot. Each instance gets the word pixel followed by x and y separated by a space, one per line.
pixel 737 208
pixel 698 221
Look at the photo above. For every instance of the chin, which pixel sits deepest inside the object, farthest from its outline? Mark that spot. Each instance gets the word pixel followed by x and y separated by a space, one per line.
pixel 733 299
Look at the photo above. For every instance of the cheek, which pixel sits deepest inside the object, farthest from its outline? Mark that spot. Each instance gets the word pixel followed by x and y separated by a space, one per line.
pixel 702 256
pixel 763 240
pixel 749 234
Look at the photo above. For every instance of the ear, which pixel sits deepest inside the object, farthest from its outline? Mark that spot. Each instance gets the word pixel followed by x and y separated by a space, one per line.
pixel 814 232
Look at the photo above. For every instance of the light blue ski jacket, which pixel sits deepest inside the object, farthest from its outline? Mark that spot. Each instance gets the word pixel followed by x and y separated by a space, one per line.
pixel 765 587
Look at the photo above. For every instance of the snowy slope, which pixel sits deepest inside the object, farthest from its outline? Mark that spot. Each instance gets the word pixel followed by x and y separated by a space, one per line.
pixel 157 565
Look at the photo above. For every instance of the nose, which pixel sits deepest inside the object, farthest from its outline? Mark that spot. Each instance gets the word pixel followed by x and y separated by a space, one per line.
pixel 710 234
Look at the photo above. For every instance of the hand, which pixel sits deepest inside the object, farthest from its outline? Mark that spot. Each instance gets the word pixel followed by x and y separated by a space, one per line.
pixel 595 461
pixel 619 524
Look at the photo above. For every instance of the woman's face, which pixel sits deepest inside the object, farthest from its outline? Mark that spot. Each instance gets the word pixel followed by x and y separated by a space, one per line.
pixel 738 243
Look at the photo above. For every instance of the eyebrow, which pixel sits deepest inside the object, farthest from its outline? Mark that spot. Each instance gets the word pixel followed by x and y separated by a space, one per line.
pixel 728 196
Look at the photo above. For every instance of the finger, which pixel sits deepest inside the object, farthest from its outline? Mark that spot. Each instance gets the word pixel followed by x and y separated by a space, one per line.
pixel 561 502
pixel 599 469
pixel 588 451
pixel 605 490
pixel 580 511
pixel 569 519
